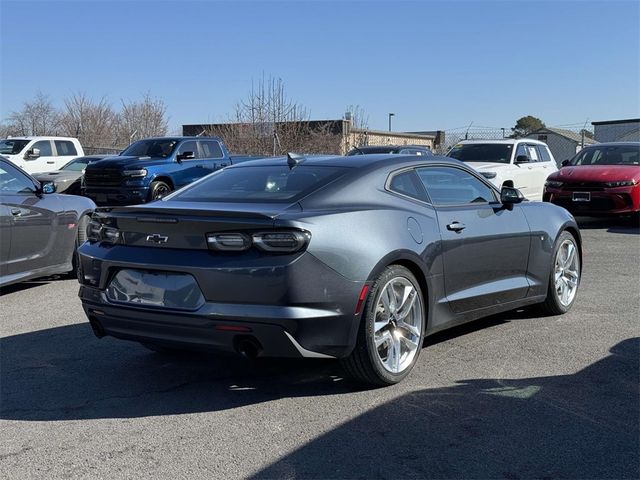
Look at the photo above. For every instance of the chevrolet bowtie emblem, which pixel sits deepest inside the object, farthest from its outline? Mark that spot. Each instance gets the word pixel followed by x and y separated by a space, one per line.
pixel 157 238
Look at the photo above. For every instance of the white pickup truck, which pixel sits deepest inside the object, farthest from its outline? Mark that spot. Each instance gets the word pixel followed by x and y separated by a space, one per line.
pixel 521 163
pixel 40 154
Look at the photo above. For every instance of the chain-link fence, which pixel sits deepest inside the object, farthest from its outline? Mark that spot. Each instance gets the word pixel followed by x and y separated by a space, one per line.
pixel 102 150
pixel 576 132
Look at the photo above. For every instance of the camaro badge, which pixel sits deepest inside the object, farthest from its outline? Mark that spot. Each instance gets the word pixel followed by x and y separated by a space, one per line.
pixel 157 238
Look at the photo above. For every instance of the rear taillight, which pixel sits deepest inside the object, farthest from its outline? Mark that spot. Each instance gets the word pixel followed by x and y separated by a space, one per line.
pixel 284 241
pixel 97 232
pixel 229 242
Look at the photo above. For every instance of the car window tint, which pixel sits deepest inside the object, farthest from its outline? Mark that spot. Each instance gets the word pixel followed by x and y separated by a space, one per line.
pixel 65 147
pixel 454 186
pixel 211 149
pixel 482 152
pixel 407 183
pixel 608 155
pixel 44 146
pixel 190 146
pixel 13 180
pixel 543 153
pixel 271 183
pixel 522 151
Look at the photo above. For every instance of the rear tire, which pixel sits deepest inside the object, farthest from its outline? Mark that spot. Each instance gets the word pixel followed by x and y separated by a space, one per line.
pixel 564 278
pixel 158 189
pixel 391 330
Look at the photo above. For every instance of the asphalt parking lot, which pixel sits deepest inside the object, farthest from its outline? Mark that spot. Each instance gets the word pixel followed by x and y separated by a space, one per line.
pixel 513 396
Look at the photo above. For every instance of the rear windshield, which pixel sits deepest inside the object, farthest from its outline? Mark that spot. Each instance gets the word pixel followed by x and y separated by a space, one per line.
pixel 78 164
pixel 11 146
pixel 482 152
pixel 274 183
pixel 608 155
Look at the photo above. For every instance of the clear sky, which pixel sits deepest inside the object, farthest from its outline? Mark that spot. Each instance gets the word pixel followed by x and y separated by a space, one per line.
pixel 436 65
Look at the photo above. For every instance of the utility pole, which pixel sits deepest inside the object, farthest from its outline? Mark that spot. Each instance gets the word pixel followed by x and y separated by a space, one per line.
pixel 390 115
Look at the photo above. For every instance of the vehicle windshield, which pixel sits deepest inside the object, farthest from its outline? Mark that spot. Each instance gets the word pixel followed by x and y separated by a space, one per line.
pixel 78 164
pixel 482 152
pixel 273 183
pixel 608 155
pixel 11 146
pixel 154 147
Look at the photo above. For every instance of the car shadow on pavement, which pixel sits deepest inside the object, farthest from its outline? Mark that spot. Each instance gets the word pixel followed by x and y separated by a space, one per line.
pixel 583 425
pixel 65 373
pixel 613 225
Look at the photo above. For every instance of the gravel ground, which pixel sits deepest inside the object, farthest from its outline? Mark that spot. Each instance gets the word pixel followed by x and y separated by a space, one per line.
pixel 513 396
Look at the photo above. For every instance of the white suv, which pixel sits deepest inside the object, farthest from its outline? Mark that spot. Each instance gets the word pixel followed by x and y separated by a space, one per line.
pixel 40 154
pixel 522 163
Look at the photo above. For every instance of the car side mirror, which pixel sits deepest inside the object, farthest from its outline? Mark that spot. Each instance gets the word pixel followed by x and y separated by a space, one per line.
pixel 33 153
pixel 565 163
pixel 522 159
pixel 48 187
pixel 510 195
pixel 185 156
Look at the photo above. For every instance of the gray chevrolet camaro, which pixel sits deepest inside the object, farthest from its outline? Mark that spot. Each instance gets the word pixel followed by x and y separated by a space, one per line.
pixel 39 229
pixel 356 258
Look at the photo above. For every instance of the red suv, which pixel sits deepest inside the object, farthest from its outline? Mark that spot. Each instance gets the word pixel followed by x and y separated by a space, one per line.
pixel 602 179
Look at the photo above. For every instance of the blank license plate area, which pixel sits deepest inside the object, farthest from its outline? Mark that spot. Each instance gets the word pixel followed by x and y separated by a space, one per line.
pixel 581 196
pixel 156 289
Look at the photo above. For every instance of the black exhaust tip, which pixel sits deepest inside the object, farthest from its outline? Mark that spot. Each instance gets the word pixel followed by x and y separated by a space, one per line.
pixel 247 346
pixel 96 326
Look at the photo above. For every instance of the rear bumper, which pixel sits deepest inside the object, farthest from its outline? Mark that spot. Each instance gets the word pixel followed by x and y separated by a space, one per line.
pixel 285 301
pixel 111 196
pixel 612 201
pixel 280 331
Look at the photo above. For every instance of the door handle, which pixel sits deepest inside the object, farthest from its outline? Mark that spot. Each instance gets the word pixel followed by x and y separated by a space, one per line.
pixel 456 227
pixel 16 212
pixel 51 163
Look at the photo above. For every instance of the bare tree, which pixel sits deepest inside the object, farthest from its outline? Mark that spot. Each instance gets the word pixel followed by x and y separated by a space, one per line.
pixel 359 125
pixel 93 123
pixel 146 118
pixel 37 117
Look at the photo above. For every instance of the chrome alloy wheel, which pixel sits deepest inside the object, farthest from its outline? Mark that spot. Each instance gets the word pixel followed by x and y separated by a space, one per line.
pixel 566 272
pixel 398 324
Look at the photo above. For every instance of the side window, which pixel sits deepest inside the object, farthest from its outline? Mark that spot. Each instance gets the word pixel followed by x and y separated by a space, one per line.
pixel 454 186
pixel 190 146
pixel 522 151
pixel 65 147
pixel 14 181
pixel 532 152
pixel 543 153
pixel 407 183
pixel 44 146
pixel 211 149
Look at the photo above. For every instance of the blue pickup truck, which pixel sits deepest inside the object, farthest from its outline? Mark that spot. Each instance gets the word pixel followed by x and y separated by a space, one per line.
pixel 151 168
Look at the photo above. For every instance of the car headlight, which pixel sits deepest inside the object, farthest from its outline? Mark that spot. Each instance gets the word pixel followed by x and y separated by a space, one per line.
pixel 553 183
pixel 142 172
pixel 621 183
pixel 489 174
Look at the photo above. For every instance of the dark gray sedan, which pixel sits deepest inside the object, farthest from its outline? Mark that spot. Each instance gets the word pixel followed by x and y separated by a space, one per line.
pixel 354 258
pixel 69 178
pixel 39 229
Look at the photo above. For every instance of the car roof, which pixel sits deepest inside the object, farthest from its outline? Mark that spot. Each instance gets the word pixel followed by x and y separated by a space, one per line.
pixel 39 137
pixel 180 138
pixel 389 147
pixel 613 144
pixel 504 141
pixel 354 161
